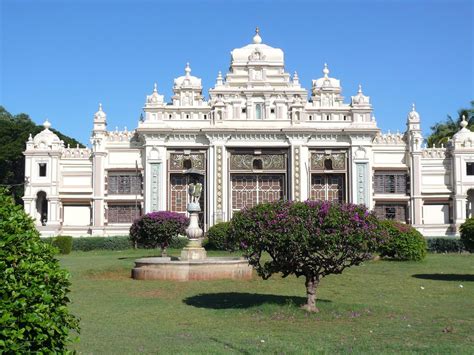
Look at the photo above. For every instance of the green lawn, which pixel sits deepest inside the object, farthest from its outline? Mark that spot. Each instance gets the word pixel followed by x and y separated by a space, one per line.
pixel 381 306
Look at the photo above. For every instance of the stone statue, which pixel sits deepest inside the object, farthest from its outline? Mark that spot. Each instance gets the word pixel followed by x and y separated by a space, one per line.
pixel 195 191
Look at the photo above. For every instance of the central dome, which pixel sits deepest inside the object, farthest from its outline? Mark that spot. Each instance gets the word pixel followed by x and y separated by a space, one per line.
pixel 258 53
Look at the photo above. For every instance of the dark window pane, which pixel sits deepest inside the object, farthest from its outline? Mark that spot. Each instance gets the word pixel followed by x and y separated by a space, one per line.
pixel 42 169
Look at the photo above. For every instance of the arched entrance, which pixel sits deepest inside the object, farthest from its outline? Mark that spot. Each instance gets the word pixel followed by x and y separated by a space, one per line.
pixel 470 203
pixel 42 207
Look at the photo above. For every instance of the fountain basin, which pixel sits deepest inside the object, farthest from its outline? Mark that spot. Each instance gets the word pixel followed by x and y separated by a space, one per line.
pixel 175 269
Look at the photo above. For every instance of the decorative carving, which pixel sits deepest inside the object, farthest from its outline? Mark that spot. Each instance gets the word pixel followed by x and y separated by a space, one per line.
pixel 219 181
pixel 155 178
pixel 389 138
pixel 177 159
pixel 297 172
pixel 361 171
pixel 434 153
pixel 318 160
pixel 269 161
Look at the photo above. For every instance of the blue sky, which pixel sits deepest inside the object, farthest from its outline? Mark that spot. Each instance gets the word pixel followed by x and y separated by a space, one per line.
pixel 59 59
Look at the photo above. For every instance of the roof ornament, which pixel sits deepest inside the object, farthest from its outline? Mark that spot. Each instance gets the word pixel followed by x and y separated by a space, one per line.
pixel 187 70
pixel 463 122
pixel 155 87
pixel 360 89
pixel 30 138
pixel 46 124
pixel 296 79
pixel 257 39
pixel 326 70
pixel 219 80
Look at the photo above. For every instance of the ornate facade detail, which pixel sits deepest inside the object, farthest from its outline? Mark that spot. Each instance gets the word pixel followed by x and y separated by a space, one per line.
pixel 319 161
pixel 178 161
pixel 436 153
pixel 268 162
pixel 154 186
pixel 389 138
pixel 297 172
pixel 119 136
pixel 219 178
pixel 76 153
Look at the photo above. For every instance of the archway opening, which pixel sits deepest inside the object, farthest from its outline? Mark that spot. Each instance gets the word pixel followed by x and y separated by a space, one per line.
pixel 470 203
pixel 42 207
pixel 328 164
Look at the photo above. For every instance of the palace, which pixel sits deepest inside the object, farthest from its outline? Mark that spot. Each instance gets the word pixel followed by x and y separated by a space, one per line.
pixel 259 137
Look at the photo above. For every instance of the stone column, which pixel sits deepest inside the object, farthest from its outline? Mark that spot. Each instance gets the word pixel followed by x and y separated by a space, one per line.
pixel 98 208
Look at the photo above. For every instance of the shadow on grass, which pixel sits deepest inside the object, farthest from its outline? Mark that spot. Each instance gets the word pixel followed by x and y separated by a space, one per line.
pixel 445 277
pixel 228 300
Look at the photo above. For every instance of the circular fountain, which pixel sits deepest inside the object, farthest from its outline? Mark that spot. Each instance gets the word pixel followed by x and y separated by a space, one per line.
pixel 193 263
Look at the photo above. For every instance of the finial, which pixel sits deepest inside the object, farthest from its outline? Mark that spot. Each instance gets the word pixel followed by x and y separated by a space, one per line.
pixel 257 39
pixel 463 123
pixel 325 70
pixel 296 78
pixel 187 69
pixel 219 80
pixel 30 138
pixel 155 87
pixel 46 124
pixel 413 107
pixel 360 89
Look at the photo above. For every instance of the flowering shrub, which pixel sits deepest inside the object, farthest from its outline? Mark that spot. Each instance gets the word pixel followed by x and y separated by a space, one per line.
pixel 467 234
pixel 403 242
pixel 34 318
pixel 157 229
pixel 310 239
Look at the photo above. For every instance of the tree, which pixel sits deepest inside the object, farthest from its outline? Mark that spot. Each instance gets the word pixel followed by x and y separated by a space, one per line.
pixel 14 132
pixel 441 132
pixel 34 317
pixel 312 239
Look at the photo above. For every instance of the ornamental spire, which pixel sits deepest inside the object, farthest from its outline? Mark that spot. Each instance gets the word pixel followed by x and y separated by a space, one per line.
pixel 155 87
pixel 463 123
pixel 46 124
pixel 257 39
pixel 326 70
pixel 187 69
pixel 360 89
pixel 219 80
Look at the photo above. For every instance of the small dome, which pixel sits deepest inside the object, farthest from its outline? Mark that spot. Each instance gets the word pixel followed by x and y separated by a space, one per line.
pixel 413 115
pixel 326 81
pixel 46 138
pixel 100 114
pixel 187 80
pixel 464 134
pixel 155 99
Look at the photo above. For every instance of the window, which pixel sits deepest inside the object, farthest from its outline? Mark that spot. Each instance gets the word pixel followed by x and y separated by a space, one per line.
pixel 257 164
pixel 392 211
pixel 469 168
pixel 310 118
pixel 123 213
pixel 42 169
pixel 258 111
pixel 272 110
pixel 387 182
pixel 187 116
pixel 126 184
pixel 169 116
pixel 327 164
pixel 327 117
pixel 187 164
pixel 205 117
pixel 244 110
pixel 345 118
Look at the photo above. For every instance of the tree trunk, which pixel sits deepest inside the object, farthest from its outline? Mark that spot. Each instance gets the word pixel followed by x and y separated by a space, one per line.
pixel 311 283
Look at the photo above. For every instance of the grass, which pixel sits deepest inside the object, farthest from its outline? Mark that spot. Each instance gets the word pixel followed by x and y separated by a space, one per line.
pixel 379 307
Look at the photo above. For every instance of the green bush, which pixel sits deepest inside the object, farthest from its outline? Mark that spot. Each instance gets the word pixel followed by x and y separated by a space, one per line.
pixel 34 317
pixel 467 234
pixel 217 236
pixel 403 242
pixel 101 243
pixel 63 243
pixel 178 242
pixel 445 245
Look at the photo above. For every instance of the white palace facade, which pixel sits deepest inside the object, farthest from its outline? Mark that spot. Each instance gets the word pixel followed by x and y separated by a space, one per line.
pixel 259 137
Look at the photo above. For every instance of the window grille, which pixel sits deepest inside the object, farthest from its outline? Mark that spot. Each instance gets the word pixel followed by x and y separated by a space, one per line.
pixel 123 213
pixel 124 184
pixel 397 212
pixel 390 183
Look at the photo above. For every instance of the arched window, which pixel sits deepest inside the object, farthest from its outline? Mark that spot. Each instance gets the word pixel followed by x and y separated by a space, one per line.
pixel 258 111
pixel 42 207
pixel 328 164
pixel 257 164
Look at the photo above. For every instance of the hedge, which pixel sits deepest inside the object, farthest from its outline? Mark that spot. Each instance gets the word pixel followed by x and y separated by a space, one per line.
pixel 109 243
pixel 445 245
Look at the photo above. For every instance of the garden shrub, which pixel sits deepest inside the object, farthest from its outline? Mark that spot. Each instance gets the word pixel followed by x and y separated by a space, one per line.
pixel 217 236
pixel 34 317
pixel 467 234
pixel 403 242
pixel 312 239
pixel 445 245
pixel 63 243
pixel 157 229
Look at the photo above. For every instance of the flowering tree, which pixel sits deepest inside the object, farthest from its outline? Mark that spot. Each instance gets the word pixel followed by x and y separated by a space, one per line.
pixel 310 239
pixel 156 229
